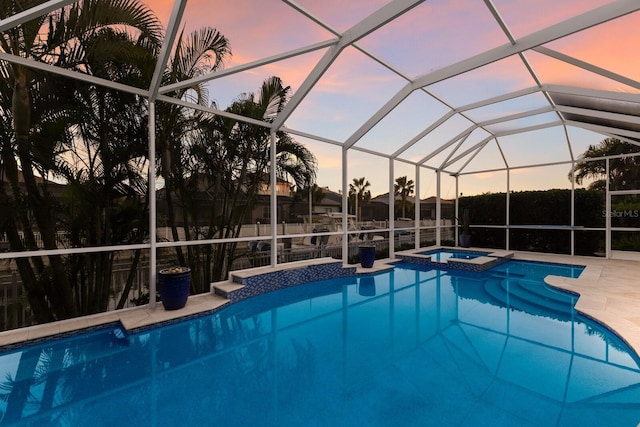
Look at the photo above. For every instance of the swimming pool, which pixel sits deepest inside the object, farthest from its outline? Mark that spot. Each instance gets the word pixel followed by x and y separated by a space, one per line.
pixel 411 346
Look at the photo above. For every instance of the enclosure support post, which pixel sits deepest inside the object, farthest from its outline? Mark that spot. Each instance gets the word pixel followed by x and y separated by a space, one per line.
pixel 392 215
pixel 416 210
pixel 151 177
pixel 456 215
pixel 573 210
pixel 345 208
pixel 274 202
pixel 607 233
pixel 507 221
pixel 438 209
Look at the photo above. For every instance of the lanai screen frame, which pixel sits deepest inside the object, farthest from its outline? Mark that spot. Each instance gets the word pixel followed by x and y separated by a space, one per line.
pixel 350 38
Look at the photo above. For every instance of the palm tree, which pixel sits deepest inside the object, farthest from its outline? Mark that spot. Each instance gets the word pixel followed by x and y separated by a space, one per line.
pixel 106 199
pixel 312 196
pixel 201 52
pixel 315 194
pixel 39 106
pixel 624 173
pixel 358 191
pixel 230 161
pixel 403 188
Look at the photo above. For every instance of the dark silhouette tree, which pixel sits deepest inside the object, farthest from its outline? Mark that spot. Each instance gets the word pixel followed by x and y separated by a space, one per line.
pixel 230 160
pixel 403 188
pixel 624 172
pixel 358 194
pixel 44 112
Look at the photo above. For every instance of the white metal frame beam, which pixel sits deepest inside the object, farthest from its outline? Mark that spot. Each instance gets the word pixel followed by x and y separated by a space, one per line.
pixel 248 66
pixel 497 99
pixel 76 75
pixel 170 37
pixel 605 130
pixel 516 116
pixel 588 66
pixel 465 133
pixel 562 29
pixel 570 26
pixel 371 23
pixel 422 134
pixel 476 147
pixel 624 118
pixel 592 93
pixel 33 13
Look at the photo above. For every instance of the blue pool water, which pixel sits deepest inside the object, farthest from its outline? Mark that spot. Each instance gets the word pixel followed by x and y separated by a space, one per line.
pixel 442 255
pixel 411 346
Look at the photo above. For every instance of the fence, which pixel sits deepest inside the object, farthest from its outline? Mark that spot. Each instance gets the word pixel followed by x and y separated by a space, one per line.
pixel 15 311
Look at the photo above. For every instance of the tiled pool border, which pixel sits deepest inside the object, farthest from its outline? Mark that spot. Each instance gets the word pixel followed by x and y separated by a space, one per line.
pixel 275 280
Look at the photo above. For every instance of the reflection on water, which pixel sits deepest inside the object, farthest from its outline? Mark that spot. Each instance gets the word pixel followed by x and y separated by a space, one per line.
pixel 367 286
pixel 396 348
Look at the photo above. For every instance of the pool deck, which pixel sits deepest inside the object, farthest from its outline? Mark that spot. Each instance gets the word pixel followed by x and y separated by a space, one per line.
pixel 609 293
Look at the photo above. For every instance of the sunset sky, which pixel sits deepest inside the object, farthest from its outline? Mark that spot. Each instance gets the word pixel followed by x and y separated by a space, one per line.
pixel 433 35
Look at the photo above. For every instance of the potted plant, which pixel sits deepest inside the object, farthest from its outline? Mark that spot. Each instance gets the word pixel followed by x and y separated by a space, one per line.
pixel 465 234
pixel 174 284
pixel 367 253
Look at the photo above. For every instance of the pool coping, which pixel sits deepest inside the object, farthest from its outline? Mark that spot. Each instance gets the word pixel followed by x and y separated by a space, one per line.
pixel 606 288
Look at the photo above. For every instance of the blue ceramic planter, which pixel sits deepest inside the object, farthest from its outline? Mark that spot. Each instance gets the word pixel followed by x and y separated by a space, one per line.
pixel 174 285
pixel 367 256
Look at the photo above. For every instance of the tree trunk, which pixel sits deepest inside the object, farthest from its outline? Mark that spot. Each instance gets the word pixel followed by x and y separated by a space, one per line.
pixel 57 290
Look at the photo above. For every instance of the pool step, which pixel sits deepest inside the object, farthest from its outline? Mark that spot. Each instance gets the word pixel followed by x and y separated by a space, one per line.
pixel 530 297
pixel 224 288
